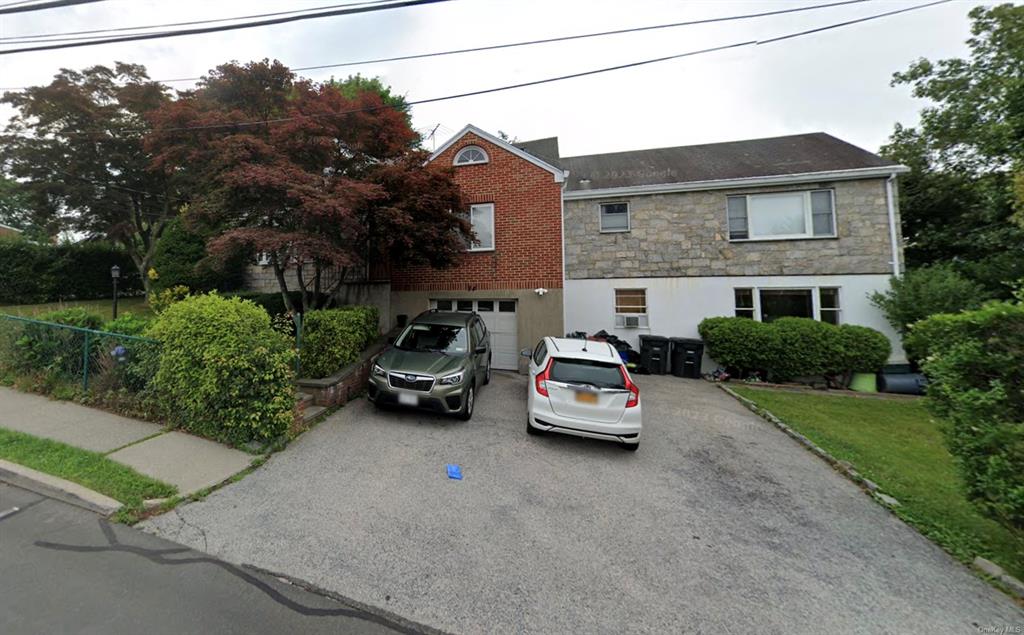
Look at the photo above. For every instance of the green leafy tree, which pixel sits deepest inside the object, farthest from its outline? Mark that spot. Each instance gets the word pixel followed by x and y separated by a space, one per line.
pixel 75 146
pixel 927 291
pixel 958 203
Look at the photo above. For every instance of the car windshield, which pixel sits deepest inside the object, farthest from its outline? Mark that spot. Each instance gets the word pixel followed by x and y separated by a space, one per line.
pixel 586 371
pixel 434 338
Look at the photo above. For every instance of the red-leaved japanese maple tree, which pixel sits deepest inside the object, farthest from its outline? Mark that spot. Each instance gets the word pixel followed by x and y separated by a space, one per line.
pixel 320 179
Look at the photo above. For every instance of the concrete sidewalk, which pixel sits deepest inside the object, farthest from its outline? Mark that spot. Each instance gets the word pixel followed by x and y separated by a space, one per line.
pixel 187 462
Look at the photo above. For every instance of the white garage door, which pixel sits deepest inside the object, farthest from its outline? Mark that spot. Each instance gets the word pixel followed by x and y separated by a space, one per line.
pixel 500 318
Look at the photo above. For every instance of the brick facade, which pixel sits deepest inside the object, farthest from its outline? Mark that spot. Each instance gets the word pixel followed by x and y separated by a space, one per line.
pixel 686 234
pixel 527 227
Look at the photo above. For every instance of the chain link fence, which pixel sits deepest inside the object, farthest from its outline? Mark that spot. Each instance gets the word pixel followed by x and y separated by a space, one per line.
pixel 98 360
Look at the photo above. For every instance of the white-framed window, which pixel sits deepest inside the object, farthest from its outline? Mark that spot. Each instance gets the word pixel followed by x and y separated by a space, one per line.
pixel 771 303
pixel 782 215
pixel 470 155
pixel 481 217
pixel 614 217
pixel 631 308
pixel 828 305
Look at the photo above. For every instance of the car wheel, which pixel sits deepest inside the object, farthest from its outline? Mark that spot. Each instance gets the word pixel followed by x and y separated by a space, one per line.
pixel 468 402
pixel 487 372
pixel 631 447
pixel 530 429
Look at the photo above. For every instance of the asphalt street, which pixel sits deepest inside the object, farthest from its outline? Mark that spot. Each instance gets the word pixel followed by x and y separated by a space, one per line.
pixel 66 570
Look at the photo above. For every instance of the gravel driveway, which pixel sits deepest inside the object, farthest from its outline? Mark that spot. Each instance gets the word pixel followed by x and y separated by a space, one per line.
pixel 718 523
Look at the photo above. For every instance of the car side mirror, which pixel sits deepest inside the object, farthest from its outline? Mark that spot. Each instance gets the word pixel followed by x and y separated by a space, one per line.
pixel 391 340
pixel 526 353
pixel 480 350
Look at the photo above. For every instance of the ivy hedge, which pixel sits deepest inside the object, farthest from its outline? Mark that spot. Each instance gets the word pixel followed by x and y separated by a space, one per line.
pixel 974 361
pixel 791 348
pixel 32 273
pixel 333 338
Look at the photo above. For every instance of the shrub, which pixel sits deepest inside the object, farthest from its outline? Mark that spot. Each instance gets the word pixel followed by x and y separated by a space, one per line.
pixel 159 301
pixel 50 350
pixel 927 291
pixel 975 366
pixel 862 349
pixel 791 348
pixel 127 324
pixel 24 272
pixel 739 343
pixel 223 371
pixel 333 338
pixel 180 260
pixel 804 348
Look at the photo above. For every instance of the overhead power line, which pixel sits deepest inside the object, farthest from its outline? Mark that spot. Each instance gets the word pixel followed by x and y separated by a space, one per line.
pixel 549 80
pixel 21 7
pixel 56 37
pixel 578 36
pixel 227 27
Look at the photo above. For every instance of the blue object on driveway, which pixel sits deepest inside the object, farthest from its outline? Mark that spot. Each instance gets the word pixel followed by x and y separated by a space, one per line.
pixel 454 471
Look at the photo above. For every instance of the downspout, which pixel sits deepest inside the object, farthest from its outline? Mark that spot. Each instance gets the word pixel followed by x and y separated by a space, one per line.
pixel 893 238
pixel 561 199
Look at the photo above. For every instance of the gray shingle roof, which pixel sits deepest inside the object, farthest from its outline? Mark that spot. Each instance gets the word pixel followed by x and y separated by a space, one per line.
pixel 775 156
pixel 544 149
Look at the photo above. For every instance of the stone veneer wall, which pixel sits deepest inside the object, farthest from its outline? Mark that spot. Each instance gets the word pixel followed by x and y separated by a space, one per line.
pixel 686 234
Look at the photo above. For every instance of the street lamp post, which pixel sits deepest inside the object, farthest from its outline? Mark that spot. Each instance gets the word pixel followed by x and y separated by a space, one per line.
pixel 115 273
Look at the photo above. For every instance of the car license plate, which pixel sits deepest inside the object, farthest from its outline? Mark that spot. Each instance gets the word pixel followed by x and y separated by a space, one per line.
pixel 408 400
pixel 586 397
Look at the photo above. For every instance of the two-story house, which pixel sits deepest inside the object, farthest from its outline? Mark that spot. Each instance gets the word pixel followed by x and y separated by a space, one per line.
pixel 654 241
pixel 657 240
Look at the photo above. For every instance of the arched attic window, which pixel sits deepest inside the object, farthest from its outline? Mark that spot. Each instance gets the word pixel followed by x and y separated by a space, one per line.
pixel 470 155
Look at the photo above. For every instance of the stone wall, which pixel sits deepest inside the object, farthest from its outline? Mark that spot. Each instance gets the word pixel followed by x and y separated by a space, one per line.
pixel 686 234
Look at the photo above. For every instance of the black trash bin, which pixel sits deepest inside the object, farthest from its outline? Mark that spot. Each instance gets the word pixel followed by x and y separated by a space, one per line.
pixel 686 357
pixel 654 354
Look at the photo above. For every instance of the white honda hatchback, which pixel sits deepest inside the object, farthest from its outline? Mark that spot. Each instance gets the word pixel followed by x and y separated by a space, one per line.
pixel 582 388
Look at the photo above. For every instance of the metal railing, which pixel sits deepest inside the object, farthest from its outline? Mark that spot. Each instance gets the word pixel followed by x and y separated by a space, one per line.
pixel 98 359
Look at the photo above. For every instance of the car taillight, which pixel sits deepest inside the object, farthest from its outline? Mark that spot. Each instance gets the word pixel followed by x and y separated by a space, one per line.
pixel 542 379
pixel 634 390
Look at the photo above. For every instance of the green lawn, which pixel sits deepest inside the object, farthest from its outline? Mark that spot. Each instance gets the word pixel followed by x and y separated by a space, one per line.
pixel 91 469
pixel 897 444
pixel 103 308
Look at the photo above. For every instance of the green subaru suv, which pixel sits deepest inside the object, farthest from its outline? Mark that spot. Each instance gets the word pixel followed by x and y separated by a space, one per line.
pixel 438 362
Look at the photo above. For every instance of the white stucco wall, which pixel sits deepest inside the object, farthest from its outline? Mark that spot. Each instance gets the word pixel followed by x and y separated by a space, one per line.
pixel 675 306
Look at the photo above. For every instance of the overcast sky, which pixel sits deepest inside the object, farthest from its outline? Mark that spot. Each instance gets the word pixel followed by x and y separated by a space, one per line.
pixel 837 81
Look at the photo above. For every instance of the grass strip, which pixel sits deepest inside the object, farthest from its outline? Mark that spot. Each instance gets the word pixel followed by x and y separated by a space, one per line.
pixel 89 469
pixel 899 446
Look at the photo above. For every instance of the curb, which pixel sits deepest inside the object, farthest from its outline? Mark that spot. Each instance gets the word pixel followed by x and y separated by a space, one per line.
pixel 1011 584
pixel 58 488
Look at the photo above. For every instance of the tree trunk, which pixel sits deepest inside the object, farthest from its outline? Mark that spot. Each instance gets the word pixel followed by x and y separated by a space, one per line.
pixel 281 282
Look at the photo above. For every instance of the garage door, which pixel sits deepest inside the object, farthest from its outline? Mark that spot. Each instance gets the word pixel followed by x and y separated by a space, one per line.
pixel 500 318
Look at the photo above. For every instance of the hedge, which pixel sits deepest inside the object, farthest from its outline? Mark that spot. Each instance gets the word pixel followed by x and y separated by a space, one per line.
pixel 789 348
pixel 333 338
pixel 223 372
pixel 32 273
pixel 273 302
pixel 975 366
